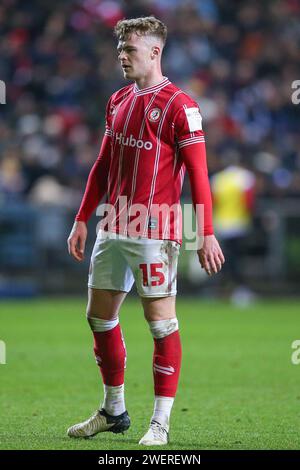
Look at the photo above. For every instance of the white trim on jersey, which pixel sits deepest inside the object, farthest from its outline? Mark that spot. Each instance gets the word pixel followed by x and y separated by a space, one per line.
pixel 178 220
pixel 138 151
pixel 112 129
pixel 136 159
pixel 122 147
pixel 151 89
pixel 190 141
pixel 157 156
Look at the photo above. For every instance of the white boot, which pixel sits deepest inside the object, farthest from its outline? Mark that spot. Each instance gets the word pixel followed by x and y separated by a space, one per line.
pixel 157 435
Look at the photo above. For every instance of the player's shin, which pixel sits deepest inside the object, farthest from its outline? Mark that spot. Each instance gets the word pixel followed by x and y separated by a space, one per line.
pixel 110 354
pixel 166 367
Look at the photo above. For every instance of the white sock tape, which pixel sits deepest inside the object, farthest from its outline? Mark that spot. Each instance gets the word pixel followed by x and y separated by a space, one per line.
pixel 98 325
pixel 162 328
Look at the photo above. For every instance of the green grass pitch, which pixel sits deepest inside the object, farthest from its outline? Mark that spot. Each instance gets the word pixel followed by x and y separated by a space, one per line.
pixel 238 387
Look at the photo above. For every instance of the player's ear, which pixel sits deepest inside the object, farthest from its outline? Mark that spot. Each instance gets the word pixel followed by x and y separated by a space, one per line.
pixel 155 52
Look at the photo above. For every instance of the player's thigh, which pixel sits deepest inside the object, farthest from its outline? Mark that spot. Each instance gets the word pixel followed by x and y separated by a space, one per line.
pixel 104 304
pixel 159 308
pixel 110 278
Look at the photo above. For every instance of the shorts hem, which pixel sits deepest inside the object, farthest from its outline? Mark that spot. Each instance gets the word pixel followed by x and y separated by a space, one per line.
pixel 93 286
pixel 169 294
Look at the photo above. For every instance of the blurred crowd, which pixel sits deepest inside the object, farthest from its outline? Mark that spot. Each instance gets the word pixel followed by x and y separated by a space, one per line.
pixel 58 59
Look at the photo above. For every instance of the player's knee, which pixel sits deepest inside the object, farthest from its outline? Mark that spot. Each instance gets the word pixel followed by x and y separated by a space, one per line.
pixel 162 328
pixel 100 322
pixel 94 311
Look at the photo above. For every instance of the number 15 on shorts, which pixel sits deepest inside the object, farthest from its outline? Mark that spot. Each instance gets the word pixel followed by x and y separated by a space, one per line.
pixel 152 274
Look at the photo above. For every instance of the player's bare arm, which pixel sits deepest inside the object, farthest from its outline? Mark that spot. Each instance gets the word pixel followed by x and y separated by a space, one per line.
pixel 77 239
pixel 210 255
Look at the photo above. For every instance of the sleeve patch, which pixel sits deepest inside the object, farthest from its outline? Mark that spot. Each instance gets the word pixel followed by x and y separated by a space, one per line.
pixel 194 119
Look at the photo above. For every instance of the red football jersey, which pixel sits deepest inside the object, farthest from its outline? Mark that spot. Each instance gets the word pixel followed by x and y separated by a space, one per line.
pixel 152 136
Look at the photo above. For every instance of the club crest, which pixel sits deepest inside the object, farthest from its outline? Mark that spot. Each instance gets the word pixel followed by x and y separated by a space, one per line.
pixel 154 114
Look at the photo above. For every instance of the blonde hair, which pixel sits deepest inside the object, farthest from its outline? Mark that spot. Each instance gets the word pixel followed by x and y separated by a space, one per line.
pixel 143 26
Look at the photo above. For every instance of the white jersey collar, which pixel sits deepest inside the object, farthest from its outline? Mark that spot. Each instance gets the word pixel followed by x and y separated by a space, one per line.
pixel 151 89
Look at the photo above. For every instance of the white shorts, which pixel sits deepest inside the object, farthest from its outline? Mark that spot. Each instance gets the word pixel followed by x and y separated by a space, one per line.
pixel 117 261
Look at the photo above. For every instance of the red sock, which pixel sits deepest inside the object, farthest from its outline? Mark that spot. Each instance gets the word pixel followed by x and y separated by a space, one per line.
pixel 110 353
pixel 166 364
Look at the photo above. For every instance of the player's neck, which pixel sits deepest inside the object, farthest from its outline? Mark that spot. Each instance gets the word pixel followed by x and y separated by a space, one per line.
pixel 149 81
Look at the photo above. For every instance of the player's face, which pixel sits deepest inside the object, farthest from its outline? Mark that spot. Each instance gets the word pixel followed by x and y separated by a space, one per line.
pixel 136 56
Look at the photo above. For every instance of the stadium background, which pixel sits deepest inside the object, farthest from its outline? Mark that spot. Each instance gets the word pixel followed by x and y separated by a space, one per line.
pixel 238 59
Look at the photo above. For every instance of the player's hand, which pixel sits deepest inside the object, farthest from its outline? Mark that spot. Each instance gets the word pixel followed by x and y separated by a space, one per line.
pixel 77 239
pixel 210 255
